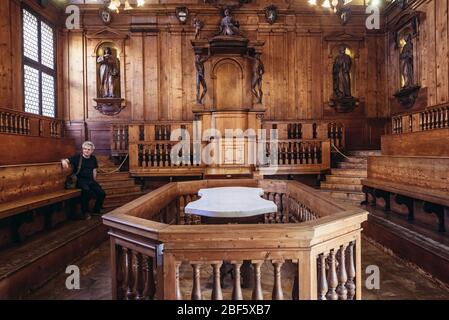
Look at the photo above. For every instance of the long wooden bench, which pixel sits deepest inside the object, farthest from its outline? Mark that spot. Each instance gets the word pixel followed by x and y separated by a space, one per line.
pixel 410 179
pixel 26 188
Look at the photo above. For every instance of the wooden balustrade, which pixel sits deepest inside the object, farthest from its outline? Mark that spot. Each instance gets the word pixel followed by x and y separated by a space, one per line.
pixel 324 249
pixel 120 138
pixel 430 119
pixel 318 130
pixel 298 152
pixel 158 131
pixel 27 124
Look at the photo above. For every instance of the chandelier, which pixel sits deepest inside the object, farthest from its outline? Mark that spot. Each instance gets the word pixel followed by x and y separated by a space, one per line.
pixel 114 5
pixel 342 8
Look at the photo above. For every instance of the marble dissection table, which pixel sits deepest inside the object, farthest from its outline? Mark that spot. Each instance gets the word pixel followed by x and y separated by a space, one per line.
pixel 230 202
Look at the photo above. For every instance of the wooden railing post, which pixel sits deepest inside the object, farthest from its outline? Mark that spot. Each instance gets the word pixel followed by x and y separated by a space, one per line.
pixel 167 277
pixel 358 267
pixel 307 275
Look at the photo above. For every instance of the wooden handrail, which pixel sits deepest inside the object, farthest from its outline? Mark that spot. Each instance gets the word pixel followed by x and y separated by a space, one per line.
pixel 435 117
pixel 23 123
pixel 162 247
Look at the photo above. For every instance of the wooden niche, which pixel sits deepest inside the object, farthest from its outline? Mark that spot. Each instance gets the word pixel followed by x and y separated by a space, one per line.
pixel 353 44
pixel 97 42
pixel 227 76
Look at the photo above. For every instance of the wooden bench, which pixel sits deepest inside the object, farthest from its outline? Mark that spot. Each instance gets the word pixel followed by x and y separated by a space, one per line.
pixel 411 179
pixel 26 188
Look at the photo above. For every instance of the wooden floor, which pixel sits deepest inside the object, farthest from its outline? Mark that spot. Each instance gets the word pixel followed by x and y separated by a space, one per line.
pixel 398 281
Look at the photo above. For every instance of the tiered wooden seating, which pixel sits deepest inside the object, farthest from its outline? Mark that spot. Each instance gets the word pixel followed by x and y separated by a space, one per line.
pixel 411 179
pixel 27 188
pixel 414 194
pixel 36 211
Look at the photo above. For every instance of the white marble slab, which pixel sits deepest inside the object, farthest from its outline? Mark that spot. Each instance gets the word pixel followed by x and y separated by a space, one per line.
pixel 230 202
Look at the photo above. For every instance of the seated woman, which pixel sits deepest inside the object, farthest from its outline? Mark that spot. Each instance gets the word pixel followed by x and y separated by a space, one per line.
pixel 87 177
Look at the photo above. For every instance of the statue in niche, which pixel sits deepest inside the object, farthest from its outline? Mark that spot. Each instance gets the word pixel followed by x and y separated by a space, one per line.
pixel 409 91
pixel 229 26
pixel 406 59
pixel 341 74
pixel 200 78
pixel 256 82
pixel 109 74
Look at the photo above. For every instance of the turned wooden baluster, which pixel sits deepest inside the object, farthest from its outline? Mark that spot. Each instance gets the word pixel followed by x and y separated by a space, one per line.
pixel 120 256
pixel 2 124
pixel 285 211
pixel 217 294
pixel 190 219
pixel 177 281
pixel 322 284
pixel 257 289
pixel 130 274
pixel 332 280
pixel 342 276
pixel 271 197
pixel 350 285
pixel 237 290
pixel 446 117
pixel 277 288
pixel 147 156
pixel 150 285
pixel 181 206
pixel 140 285
pixel 278 202
pixel 295 288
pixel 196 288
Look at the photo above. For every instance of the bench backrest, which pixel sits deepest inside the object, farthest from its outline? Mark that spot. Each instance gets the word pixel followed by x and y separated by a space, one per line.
pixel 426 172
pixel 19 181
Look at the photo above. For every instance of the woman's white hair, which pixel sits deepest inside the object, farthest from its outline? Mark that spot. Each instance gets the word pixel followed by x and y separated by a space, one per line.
pixel 88 144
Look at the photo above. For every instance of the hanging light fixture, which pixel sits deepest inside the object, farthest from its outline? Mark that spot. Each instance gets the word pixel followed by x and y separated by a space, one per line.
pixel 114 5
pixel 341 7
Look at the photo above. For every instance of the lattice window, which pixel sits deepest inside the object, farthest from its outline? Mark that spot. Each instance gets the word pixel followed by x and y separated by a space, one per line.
pixel 39 65
pixel 47 44
pixel 30 36
pixel 31 82
pixel 48 95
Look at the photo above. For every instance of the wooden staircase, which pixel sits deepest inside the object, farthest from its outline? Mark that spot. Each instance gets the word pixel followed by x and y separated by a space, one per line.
pixel 120 188
pixel 345 182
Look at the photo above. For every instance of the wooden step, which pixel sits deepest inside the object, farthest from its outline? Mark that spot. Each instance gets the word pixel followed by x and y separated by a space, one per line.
pixel 346 195
pixel 124 197
pixel 344 179
pixel 109 168
pixel 352 165
pixel 118 173
pixel 122 190
pixel 356 160
pixel 350 172
pixel 365 153
pixel 117 184
pixel 104 178
pixel 26 267
pixel 341 187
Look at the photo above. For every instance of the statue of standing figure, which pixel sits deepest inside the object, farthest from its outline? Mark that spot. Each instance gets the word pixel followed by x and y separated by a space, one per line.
pixel 198 25
pixel 229 26
pixel 341 73
pixel 406 59
pixel 200 77
pixel 109 73
pixel 256 82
